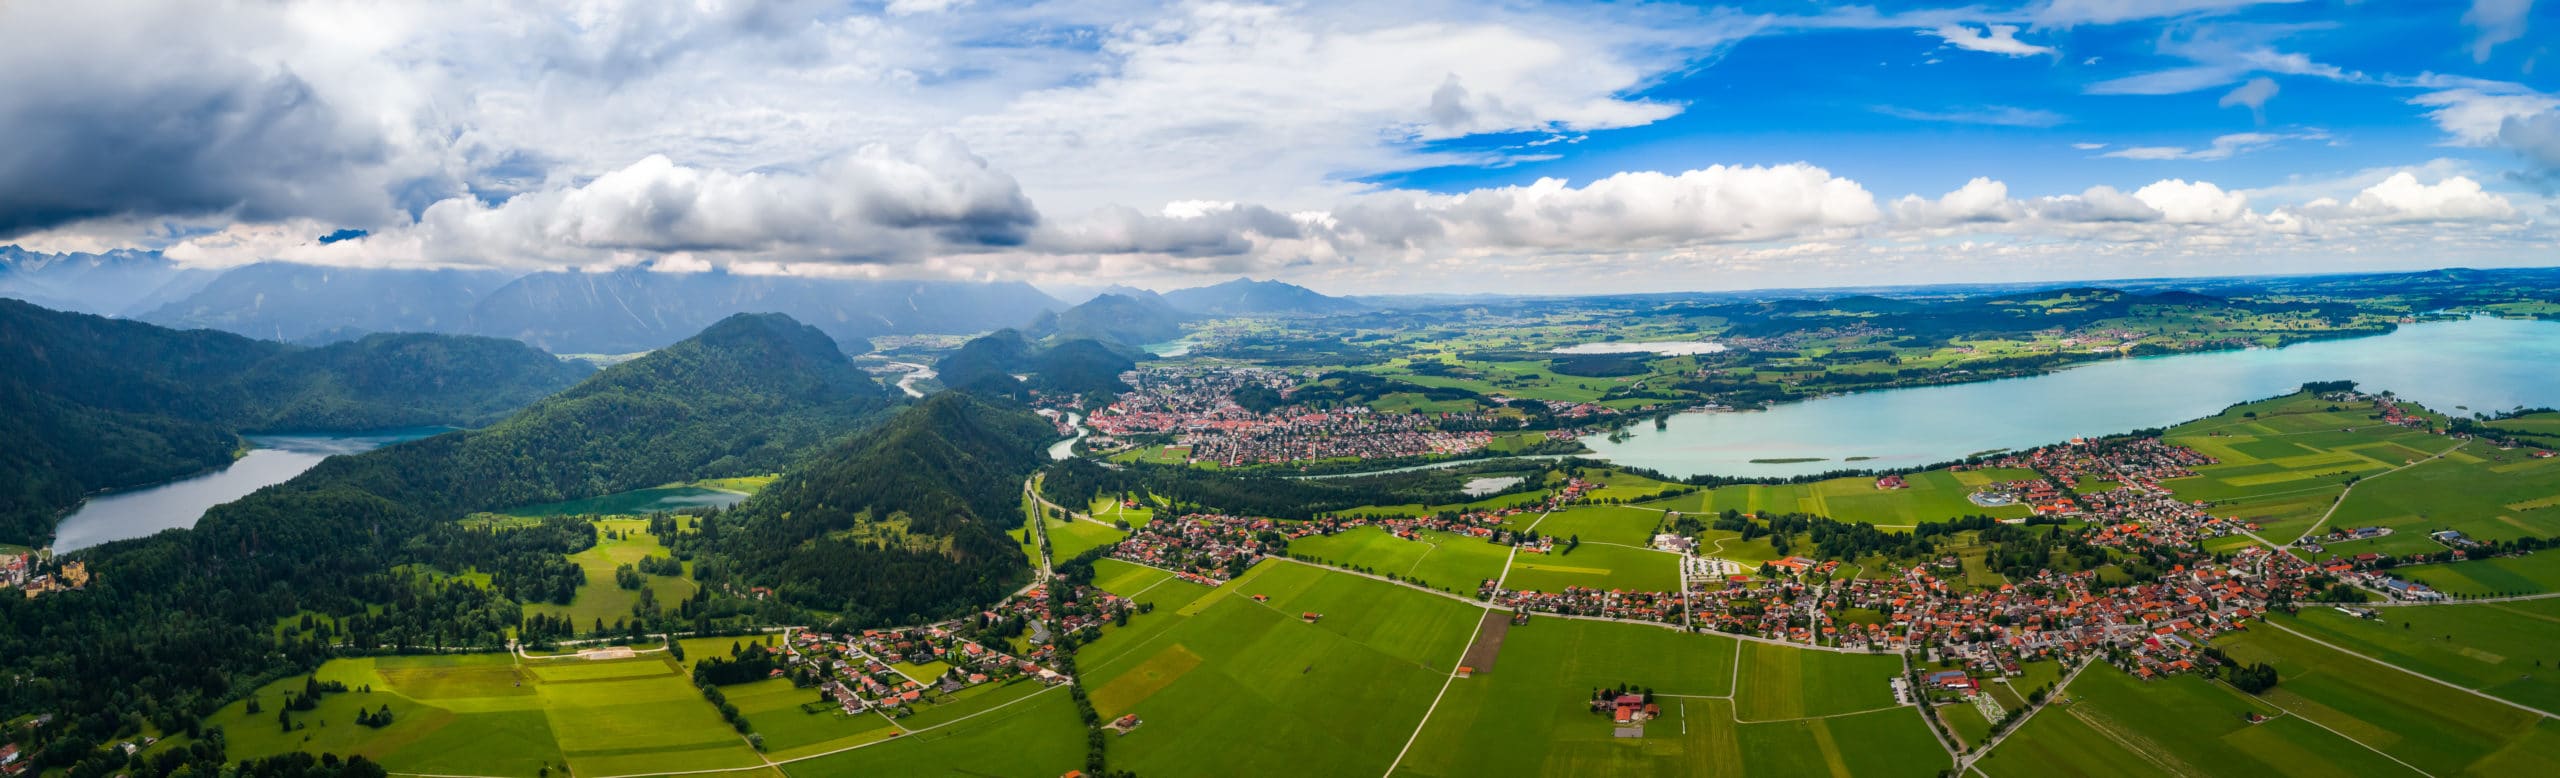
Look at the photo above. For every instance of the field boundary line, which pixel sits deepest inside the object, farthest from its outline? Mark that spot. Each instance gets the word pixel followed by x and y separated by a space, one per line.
pixel 2439 681
pixel 2341 735
pixel 1445 683
pixel 1738 719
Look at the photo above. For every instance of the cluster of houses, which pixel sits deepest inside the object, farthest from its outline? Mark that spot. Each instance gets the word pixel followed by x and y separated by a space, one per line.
pixel 1198 408
pixel 23 573
pixel 1200 548
pixel 859 671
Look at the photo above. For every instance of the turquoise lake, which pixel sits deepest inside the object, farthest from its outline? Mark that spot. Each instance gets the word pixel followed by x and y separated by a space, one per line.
pixel 2458 367
pixel 272 459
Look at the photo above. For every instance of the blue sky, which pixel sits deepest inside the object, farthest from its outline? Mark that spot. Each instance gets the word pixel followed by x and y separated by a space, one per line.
pixel 1422 145
pixel 1904 111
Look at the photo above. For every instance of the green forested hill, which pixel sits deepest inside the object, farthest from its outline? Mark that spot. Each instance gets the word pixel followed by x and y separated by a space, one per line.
pixel 750 394
pixel 902 522
pixel 747 396
pixel 91 403
pixel 987 364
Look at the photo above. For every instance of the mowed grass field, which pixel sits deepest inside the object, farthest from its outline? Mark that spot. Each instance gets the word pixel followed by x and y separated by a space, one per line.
pixel 600 598
pixel 2414 719
pixel 1777 682
pixel 1036 736
pixel 1072 537
pixel 2530 574
pixel 1528 715
pixel 2507 649
pixel 2107 723
pixel 2483 492
pixel 1596 566
pixel 1440 560
pixel 1933 496
pixel 2284 466
pixel 489 714
pixel 1605 523
pixel 1231 686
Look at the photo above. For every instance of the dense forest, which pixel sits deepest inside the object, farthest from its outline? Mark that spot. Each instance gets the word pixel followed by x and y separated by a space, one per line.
pixel 905 521
pixel 174 624
pixel 1195 490
pixel 90 403
pixel 986 365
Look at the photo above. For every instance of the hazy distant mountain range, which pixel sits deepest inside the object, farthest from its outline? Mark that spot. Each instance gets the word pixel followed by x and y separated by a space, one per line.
pixel 613 312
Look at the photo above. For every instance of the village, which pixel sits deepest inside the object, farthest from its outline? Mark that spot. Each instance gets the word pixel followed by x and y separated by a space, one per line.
pixel 2151 627
pixel 895 671
pixel 1197 411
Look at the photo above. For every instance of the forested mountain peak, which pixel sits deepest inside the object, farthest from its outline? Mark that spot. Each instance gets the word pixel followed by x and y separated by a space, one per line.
pixel 905 520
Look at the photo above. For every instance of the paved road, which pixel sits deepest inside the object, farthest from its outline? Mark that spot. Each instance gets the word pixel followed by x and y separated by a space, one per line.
pixel 2351 488
pixel 1965 762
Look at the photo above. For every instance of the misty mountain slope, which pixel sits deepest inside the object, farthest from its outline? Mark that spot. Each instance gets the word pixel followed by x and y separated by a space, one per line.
pixel 636 310
pixel 309 303
pixel 1248 297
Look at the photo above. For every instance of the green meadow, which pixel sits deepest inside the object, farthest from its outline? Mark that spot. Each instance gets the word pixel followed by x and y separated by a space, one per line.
pixel 2507 649
pixel 1440 560
pixel 1605 523
pixel 1232 686
pixel 1076 536
pixel 1932 496
pixel 2283 462
pixel 2530 574
pixel 1777 682
pixel 2107 723
pixel 1038 735
pixel 1597 566
pixel 492 714
pixel 601 598
pixel 2409 717
pixel 1528 715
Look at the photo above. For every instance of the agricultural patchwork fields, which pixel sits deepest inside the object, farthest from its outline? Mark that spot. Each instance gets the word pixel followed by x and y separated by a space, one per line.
pixel 492 714
pixel 2284 462
pixel 1255 689
pixel 2508 575
pixel 2410 718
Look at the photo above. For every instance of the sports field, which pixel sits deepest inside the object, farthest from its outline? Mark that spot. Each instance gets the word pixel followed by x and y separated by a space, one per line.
pixel 1232 686
pixel 1440 560
pixel 2106 723
pixel 2416 720
pixel 600 598
pixel 490 714
pixel 2508 649
pixel 1595 565
pixel 2529 574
